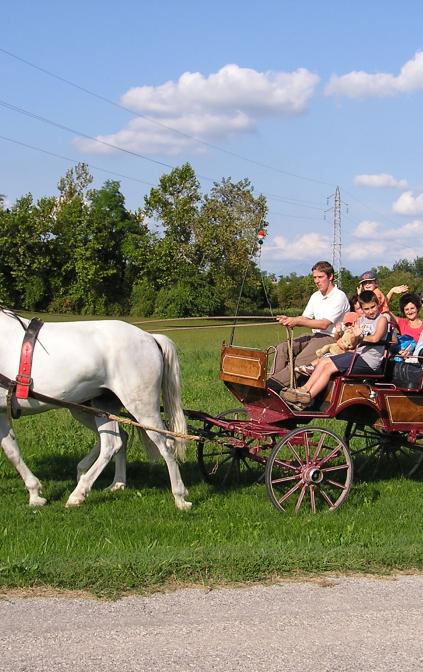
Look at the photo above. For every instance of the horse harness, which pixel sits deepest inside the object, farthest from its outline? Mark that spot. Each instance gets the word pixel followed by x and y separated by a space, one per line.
pixel 20 387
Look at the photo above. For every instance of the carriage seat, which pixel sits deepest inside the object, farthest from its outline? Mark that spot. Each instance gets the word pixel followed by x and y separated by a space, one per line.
pixel 384 371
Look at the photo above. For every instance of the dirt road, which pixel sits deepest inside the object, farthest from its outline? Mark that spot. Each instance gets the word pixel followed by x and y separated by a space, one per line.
pixel 327 625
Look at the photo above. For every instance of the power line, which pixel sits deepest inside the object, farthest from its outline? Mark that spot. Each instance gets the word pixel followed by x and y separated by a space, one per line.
pixel 173 130
pixel 112 172
pixel 38 117
pixel 33 115
pixel 369 207
pixel 66 158
pixel 286 214
pixel 151 120
pixel 158 123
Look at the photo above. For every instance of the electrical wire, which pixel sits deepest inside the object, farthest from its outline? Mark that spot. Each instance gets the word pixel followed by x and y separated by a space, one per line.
pixel 159 123
pixel 66 158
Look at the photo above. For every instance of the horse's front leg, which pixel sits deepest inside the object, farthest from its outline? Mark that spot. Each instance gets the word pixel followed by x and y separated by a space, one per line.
pixel 11 450
pixel 110 443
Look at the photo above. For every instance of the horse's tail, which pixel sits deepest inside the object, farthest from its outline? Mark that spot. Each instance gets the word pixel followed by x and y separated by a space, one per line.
pixel 171 392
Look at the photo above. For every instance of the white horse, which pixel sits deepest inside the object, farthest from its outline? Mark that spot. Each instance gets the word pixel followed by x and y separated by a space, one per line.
pixel 81 361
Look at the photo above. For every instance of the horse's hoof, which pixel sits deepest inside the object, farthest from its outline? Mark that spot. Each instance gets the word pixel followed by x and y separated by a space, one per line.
pixel 116 486
pixel 182 505
pixel 73 502
pixel 37 501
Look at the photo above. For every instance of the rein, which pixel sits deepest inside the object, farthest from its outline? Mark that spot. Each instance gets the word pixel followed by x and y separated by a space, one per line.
pixel 291 362
pixel 93 410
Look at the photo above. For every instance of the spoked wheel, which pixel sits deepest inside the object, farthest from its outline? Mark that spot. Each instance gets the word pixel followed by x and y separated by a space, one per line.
pixel 309 469
pixel 382 451
pixel 222 460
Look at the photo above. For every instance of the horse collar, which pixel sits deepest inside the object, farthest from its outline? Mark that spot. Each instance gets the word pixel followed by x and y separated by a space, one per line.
pixel 23 379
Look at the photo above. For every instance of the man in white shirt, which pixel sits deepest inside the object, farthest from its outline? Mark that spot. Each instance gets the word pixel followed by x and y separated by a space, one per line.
pixel 325 308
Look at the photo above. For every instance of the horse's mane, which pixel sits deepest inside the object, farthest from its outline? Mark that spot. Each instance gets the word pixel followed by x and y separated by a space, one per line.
pixel 13 314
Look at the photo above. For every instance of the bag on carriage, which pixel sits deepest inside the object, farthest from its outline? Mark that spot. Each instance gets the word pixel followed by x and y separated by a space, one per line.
pixel 407 376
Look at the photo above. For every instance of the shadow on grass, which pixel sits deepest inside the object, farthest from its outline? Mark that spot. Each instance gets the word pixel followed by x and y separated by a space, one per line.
pixel 372 469
pixel 62 468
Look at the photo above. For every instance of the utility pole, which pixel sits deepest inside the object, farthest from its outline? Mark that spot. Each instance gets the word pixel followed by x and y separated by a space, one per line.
pixel 336 241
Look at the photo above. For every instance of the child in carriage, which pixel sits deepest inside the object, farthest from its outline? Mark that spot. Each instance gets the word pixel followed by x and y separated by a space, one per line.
pixel 345 341
pixel 368 332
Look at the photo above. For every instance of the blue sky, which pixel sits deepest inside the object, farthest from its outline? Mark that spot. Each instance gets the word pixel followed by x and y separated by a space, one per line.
pixel 299 97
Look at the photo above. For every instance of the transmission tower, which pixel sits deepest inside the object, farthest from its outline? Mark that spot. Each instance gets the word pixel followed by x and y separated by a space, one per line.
pixel 336 243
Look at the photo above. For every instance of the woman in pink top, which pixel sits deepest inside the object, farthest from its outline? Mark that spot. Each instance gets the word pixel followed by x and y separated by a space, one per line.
pixel 410 324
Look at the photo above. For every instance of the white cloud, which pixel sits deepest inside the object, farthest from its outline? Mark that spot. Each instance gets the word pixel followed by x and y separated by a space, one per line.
pixel 227 102
pixel 381 180
pixel 370 242
pixel 7 204
pixel 383 245
pixel 375 232
pixel 366 229
pixel 359 84
pixel 308 246
pixel 407 204
pixel 359 252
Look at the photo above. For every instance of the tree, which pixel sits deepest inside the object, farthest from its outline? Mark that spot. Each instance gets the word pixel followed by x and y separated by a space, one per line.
pixel 174 206
pixel 97 259
pixel 70 220
pixel 226 237
pixel 75 182
pixel 27 243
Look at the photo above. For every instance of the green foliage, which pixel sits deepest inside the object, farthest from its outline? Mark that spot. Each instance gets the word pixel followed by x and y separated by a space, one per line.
pixel 143 298
pixel 187 299
pixel 183 253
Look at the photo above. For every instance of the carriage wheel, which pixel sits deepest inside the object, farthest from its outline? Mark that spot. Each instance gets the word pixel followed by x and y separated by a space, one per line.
pixel 382 450
pixel 224 465
pixel 309 469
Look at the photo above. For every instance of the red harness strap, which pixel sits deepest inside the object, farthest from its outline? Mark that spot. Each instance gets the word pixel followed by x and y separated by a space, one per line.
pixel 23 379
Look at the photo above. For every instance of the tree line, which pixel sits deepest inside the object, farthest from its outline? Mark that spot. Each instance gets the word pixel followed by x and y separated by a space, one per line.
pixel 83 251
pixel 183 253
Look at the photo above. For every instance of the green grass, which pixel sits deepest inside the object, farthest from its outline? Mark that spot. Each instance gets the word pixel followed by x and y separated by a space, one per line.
pixel 137 541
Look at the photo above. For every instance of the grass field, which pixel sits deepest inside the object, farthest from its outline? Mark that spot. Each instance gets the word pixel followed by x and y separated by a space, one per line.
pixel 137 541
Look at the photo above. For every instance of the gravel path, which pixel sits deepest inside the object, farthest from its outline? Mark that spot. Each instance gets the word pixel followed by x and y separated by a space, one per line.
pixel 332 624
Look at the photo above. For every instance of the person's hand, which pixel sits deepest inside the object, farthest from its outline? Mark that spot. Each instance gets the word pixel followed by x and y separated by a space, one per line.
pixel 357 331
pixel 399 289
pixel 405 352
pixel 287 321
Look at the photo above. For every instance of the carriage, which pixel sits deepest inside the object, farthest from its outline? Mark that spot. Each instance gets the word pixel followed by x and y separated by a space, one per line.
pixel 305 464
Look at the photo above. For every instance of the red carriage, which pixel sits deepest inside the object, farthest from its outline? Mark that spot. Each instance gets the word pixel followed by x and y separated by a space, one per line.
pixel 305 462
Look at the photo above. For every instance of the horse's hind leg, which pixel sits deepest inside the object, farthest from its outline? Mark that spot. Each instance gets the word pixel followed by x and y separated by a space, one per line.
pixel 167 451
pixel 119 480
pixel 110 444
pixel 11 450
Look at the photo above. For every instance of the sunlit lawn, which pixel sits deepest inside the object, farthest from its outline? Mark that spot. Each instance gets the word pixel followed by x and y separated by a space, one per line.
pixel 136 540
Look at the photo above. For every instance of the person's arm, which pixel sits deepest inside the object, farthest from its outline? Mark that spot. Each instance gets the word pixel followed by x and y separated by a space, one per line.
pixel 339 331
pixel 399 289
pixel 303 321
pixel 380 333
